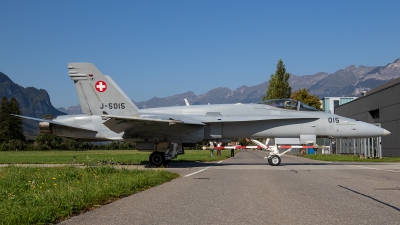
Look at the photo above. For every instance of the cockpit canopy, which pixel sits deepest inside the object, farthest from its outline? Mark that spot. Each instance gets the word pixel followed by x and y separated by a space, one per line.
pixel 287 103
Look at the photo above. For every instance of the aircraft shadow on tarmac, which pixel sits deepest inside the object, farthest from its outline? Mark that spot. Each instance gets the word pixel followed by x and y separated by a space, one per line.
pixel 370 197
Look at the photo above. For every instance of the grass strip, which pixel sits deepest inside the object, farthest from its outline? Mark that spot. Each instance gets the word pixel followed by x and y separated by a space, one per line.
pixel 32 195
pixel 92 157
pixel 348 158
pixel 73 157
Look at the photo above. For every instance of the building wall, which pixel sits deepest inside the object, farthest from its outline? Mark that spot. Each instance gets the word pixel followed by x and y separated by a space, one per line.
pixel 387 103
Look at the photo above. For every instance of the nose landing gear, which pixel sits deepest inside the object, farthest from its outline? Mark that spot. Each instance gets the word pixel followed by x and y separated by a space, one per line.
pixel 274 160
pixel 274 157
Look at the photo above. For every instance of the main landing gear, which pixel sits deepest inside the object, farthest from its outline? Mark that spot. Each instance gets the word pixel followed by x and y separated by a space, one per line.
pixel 274 157
pixel 159 158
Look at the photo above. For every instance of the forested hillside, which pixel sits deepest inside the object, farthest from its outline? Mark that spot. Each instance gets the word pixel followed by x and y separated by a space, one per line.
pixel 32 101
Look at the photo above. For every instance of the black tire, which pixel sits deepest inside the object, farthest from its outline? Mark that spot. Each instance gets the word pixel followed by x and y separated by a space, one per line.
pixel 269 161
pixel 157 159
pixel 275 160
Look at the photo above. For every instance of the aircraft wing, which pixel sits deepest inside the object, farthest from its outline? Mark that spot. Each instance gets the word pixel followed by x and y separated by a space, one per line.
pixel 119 124
pixel 54 122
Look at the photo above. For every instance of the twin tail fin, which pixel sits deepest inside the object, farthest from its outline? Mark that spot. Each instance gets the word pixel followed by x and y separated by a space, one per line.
pixel 98 94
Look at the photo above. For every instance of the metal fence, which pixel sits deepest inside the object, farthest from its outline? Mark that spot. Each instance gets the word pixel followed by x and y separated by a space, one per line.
pixel 364 147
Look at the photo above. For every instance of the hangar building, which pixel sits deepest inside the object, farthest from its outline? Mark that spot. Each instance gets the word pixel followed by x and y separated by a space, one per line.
pixel 380 106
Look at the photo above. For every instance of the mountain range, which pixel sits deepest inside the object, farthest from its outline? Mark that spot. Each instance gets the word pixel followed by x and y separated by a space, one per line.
pixel 350 81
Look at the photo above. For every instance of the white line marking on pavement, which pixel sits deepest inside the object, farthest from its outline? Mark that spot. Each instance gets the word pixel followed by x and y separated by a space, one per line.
pixel 201 170
pixel 371 168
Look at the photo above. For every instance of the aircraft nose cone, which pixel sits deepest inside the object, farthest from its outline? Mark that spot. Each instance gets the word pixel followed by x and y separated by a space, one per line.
pixel 385 132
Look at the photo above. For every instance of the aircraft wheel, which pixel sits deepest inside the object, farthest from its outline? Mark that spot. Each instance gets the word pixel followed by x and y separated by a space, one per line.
pixel 275 160
pixel 269 161
pixel 157 159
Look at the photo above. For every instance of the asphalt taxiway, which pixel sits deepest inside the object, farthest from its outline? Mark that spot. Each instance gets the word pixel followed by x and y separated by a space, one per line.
pixel 246 190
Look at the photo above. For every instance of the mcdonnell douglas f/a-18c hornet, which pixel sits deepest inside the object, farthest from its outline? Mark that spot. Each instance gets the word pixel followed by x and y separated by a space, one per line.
pixel 109 115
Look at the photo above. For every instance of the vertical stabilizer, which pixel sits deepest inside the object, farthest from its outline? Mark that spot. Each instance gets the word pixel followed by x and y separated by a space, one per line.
pixel 99 94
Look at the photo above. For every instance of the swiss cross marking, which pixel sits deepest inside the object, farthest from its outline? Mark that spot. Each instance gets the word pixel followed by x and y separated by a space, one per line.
pixel 101 86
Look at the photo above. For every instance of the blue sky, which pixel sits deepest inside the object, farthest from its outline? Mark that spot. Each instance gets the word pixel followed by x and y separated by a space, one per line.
pixel 158 48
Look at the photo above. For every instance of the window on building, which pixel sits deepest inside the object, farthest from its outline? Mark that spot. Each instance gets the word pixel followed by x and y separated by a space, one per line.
pixel 374 114
pixel 335 103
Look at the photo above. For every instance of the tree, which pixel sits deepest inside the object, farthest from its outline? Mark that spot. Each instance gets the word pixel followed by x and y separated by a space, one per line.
pixel 11 132
pixel 278 86
pixel 4 120
pixel 16 129
pixel 48 141
pixel 304 96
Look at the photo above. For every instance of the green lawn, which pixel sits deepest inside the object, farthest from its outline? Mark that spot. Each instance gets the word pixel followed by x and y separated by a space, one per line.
pixel 32 195
pixel 46 195
pixel 98 156
pixel 70 157
pixel 349 158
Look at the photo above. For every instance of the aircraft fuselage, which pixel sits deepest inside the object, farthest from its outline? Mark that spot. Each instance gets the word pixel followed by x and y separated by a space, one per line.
pixel 224 121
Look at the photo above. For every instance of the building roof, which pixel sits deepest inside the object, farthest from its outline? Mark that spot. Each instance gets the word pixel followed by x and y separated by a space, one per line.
pixel 384 86
pixel 377 89
pixel 338 97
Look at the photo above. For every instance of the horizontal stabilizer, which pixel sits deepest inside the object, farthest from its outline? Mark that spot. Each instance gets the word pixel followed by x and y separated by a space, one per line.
pixel 54 122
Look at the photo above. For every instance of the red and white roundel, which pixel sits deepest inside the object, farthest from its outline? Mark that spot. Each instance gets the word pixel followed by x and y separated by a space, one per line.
pixel 100 86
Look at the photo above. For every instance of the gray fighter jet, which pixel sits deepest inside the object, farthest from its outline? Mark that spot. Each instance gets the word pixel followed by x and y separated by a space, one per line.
pixel 109 115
